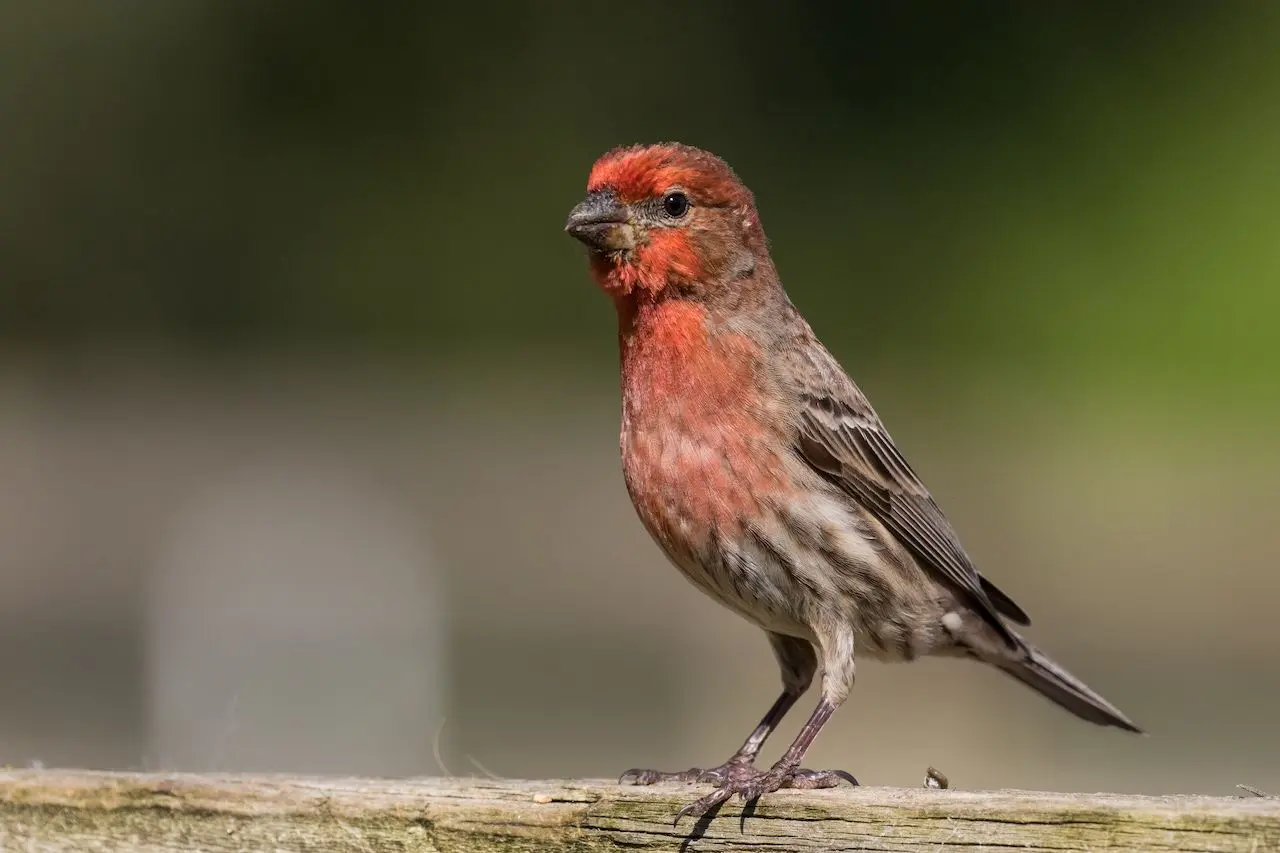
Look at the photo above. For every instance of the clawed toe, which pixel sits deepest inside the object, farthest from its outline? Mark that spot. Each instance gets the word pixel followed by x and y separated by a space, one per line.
pixel 737 777
pixel 637 776
pixel 701 806
pixel 714 776
pixel 750 784
pixel 810 779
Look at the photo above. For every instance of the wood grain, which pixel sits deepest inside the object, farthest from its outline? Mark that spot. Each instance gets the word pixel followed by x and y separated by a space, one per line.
pixel 66 810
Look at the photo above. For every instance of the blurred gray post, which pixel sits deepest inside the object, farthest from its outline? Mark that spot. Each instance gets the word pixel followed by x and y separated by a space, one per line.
pixel 295 624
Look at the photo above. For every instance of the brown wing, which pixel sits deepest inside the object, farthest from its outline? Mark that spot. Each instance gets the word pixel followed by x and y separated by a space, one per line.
pixel 846 443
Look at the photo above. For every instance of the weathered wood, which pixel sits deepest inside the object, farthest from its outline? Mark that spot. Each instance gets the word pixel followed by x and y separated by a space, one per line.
pixel 54 810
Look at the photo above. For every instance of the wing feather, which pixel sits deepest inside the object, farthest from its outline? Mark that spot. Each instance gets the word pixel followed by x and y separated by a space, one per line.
pixel 844 441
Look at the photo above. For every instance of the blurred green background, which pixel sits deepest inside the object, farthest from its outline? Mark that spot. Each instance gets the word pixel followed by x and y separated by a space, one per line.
pixel 308 408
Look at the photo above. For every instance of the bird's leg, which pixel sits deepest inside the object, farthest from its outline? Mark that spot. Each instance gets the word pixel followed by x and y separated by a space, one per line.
pixel 797 663
pixel 787 773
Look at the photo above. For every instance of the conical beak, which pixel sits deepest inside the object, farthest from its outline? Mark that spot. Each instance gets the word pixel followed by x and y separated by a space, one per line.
pixel 602 223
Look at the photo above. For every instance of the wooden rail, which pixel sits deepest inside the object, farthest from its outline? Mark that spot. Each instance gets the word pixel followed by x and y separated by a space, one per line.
pixel 65 810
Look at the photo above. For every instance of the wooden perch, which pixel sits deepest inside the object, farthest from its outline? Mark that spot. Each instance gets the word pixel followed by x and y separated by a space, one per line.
pixel 56 810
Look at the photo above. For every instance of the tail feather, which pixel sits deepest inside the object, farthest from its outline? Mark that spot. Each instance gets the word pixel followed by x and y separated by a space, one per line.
pixel 1040 673
pixel 1005 605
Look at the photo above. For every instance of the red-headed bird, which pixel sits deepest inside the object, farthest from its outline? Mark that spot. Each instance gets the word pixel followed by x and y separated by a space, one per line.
pixel 762 471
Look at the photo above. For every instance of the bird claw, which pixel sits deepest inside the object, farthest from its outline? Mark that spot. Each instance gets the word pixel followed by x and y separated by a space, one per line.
pixel 711 776
pixel 638 776
pixel 751 784
pixel 701 806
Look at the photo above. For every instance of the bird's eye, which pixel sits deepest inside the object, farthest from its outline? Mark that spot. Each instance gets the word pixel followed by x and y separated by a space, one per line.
pixel 675 204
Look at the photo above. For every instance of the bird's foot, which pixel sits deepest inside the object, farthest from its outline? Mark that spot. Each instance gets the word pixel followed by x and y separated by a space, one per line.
pixel 732 768
pixel 751 784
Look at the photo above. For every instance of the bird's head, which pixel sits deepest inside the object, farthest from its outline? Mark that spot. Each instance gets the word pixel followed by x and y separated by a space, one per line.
pixel 668 217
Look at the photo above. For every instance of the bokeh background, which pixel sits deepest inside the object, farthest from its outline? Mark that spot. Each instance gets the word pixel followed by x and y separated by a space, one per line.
pixel 308 409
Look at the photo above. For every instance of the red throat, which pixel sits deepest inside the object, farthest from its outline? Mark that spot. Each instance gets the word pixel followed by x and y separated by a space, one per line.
pixel 689 418
pixel 668 349
pixel 665 257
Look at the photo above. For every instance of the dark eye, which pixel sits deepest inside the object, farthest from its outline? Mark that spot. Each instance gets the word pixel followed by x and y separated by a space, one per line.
pixel 675 204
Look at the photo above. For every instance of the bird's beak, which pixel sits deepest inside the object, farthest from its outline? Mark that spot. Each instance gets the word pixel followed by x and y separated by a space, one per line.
pixel 602 222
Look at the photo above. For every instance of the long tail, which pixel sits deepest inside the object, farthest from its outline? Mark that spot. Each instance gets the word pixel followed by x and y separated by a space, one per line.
pixel 1039 672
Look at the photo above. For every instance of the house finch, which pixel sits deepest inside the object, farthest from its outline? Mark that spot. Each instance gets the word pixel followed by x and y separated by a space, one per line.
pixel 762 471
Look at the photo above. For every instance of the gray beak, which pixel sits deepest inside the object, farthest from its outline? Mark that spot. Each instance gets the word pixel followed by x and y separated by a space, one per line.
pixel 602 223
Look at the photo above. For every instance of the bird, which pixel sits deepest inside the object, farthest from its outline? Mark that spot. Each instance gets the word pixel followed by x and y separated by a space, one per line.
pixel 763 473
